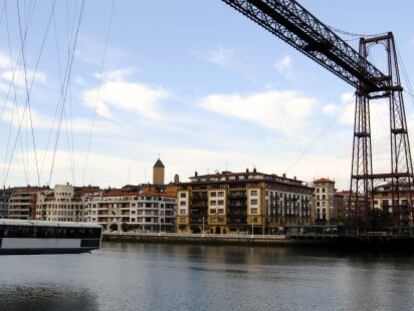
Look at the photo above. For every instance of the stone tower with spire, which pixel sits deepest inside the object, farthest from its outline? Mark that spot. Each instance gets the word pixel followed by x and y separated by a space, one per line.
pixel 158 173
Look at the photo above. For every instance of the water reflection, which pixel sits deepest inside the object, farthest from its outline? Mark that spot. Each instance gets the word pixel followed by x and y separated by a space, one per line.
pixel 45 297
pixel 186 277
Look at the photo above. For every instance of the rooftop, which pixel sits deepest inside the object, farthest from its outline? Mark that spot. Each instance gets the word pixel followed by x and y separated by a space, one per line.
pixel 227 176
pixel 324 180
pixel 159 163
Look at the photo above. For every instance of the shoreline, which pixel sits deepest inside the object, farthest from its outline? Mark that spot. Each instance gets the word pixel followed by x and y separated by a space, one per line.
pixel 210 239
pixel 358 243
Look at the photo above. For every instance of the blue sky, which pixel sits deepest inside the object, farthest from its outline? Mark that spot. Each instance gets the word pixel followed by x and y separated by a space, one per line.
pixel 194 81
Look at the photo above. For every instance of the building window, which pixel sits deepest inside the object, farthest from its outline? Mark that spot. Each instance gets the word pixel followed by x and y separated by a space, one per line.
pixel 183 195
pixel 254 211
pixel 220 211
pixel 213 203
pixel 220 202
pixel 182 203
pixel 253 193
pixel 212 211
pixel 253 201
pixel 220 194
pixel 213 194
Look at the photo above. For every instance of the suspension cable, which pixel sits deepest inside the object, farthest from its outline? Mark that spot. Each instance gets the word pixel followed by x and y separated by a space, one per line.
pixel 64 89
pixel 98 91
pixel 325 129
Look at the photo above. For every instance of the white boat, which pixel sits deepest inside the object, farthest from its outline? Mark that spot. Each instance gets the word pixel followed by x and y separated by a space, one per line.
pixel 45 237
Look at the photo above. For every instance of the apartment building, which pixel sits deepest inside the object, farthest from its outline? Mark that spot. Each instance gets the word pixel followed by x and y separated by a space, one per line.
pixel 324 198
pixel 4 202
pixel 62 203
pixel 125 210
pixel 242 202
pixel 383 197
pixel 22 202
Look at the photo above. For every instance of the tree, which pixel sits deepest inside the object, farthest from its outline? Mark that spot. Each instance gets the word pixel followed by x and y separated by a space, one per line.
pixel 125 227
pixel 113 227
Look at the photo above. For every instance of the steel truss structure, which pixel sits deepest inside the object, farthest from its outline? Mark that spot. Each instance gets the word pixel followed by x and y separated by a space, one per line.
pixel 400 179
pixel 291 22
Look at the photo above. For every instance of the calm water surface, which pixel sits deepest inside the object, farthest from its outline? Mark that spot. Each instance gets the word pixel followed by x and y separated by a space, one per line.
pixel 182 277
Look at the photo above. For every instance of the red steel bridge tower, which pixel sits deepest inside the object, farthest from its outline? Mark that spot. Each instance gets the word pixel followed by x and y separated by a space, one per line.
pixel 400 178
pixel 295 25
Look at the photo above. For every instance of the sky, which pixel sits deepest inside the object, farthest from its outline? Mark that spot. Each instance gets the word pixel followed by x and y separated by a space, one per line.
pixel 190 81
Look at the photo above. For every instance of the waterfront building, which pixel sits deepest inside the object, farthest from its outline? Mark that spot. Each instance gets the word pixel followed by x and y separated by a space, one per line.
pixel 340 204
pixel 4 202
pixel 247 201
pixel 383 197
pixel 125 210
pixel 323 199
pixel 22 202
pixel 62 203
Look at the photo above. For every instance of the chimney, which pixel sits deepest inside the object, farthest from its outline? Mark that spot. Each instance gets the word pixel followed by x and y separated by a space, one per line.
pixel 195 174
pixel 284 175
pixel 254 170
pixel 247 170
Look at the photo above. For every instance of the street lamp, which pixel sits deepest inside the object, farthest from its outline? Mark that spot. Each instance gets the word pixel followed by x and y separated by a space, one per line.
pixel 202 233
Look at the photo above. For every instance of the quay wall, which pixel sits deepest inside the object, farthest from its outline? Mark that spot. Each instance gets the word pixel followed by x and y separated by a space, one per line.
pixel 213 239
pixel 360 243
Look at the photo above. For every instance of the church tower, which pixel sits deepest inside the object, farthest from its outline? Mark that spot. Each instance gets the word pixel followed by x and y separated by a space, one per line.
pixel 158 173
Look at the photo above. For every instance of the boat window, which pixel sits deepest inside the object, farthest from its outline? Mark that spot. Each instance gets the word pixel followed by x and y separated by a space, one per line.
pixel 10 231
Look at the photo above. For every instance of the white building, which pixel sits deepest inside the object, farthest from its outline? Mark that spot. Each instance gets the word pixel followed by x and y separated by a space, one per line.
pixel 324 193
pixel 119 210
pixel 62 203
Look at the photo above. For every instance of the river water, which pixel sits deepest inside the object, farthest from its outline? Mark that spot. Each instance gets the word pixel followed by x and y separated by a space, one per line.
pixel 183 277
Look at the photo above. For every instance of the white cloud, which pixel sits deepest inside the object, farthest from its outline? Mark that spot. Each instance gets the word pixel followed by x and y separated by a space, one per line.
pixel 343 110
pixel 329 109
pixel 91 51
pixel 124 95
pixel 4 61
pixel 18 76
pixel 17 73
pixel 221 56
pixel 284 111
pixel 45 122
pixel 227 59
pixel 80 80
pixel 119 74
pixel 284 65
